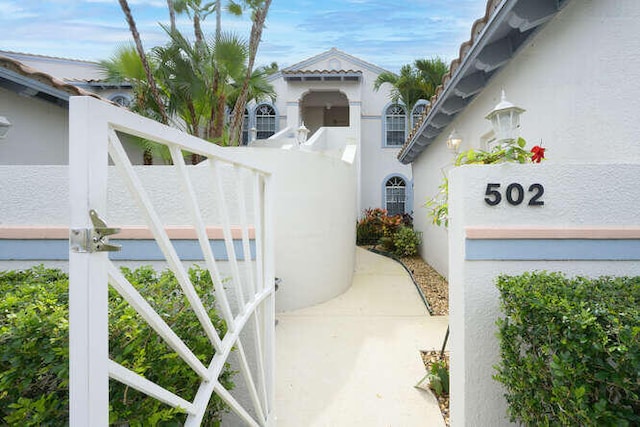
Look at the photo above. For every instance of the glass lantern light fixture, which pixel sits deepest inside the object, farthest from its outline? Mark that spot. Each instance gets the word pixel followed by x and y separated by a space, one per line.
pixel 505 120
pixel 5 124
pixel 453 141
pixel 302 134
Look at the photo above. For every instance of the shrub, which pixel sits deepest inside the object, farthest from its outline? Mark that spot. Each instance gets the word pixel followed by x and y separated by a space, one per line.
pixel 34 348
pixel 406 242
pixel 375 224
pixel 570 349
pixel 439 377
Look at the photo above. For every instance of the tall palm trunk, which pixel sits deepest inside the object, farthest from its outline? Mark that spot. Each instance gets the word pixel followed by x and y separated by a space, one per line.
pixel 218 19
pixel 197 29
pixel 172 15
pixel 259 17
pixel 145 63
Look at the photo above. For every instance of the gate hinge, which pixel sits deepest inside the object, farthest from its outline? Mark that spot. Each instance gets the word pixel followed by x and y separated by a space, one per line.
pixel 93 239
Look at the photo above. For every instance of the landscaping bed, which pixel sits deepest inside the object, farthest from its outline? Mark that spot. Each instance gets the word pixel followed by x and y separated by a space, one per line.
pixel 433 286
pixel 429 358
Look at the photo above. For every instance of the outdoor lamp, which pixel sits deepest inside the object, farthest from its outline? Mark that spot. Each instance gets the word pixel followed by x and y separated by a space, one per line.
pixel 253 132
pixel 505 119
pixel 5 124
pixel 453 141
pixel 302 134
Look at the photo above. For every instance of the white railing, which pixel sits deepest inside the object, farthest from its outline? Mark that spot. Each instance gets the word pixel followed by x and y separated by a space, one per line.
pixel 96 131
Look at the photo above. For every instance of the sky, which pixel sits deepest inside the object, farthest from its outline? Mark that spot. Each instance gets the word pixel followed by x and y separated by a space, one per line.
pixel 387 33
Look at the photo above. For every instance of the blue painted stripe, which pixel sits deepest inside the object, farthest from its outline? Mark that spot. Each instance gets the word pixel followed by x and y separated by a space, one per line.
pixel 552 250
pixel 132 250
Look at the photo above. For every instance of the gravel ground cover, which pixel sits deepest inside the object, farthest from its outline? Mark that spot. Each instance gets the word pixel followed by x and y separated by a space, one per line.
pixel 434 287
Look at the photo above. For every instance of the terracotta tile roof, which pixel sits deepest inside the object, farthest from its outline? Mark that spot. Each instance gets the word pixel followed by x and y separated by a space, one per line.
pixel 46 79
pixel 335 53
pixel 331 75
pixel 496 13
pixel 476 30
pixel 288 71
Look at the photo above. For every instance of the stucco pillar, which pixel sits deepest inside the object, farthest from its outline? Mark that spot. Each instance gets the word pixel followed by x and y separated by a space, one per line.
pixel 355 123
pixel 293 115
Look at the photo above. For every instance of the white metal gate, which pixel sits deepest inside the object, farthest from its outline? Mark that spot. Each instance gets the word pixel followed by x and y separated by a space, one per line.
pixel 96 129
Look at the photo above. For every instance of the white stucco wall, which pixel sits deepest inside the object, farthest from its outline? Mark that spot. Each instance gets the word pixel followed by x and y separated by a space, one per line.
pixel 40 196
pixel 428 171
pixel 314 202
pixel 315 215
pixel 39 133
pixel 376 162
pixel 579 195
pixel 580 87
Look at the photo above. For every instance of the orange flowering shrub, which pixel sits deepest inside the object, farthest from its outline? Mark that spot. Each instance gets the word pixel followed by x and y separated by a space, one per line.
pixel 376 224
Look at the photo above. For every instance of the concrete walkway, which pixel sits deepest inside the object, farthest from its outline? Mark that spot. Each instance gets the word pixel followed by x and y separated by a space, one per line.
pixel 353 361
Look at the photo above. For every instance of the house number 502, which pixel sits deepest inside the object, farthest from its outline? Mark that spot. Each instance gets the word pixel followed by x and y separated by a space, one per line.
pixel 514 194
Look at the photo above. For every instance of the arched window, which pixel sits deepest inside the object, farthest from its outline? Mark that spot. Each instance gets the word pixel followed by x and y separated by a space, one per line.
pixel 417 112
pixel 123 100
pixel 395 191
pixel 245 127
pixel 265 121
pixel 395 123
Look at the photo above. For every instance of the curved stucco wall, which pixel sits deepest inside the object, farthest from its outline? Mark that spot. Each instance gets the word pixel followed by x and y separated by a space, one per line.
pixel 315 216
pixel 313 199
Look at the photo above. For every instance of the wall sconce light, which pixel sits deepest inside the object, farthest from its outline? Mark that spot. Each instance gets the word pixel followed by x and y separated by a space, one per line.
pixel 302 134
pixel 253 134
pixel 5 124
pixel 453 141
pixel 505 119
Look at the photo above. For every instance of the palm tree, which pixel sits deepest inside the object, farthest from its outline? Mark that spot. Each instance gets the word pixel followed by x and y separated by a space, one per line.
pixel 197 82
pixel 432 71
pixel 259 10
pixel 415 82
pixel 145 64
pixel 125 66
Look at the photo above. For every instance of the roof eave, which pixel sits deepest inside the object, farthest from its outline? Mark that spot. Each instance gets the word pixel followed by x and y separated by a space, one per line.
pixel 33 87
pixel 495 57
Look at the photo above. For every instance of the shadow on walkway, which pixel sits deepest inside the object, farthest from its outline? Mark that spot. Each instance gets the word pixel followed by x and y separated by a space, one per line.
pixel 353 361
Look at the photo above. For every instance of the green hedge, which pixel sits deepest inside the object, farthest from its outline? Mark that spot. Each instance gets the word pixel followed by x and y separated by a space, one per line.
pixel 570 349
pixel 34 352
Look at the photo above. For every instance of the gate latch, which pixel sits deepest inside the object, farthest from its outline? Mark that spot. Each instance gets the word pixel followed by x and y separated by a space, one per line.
pixel 94 239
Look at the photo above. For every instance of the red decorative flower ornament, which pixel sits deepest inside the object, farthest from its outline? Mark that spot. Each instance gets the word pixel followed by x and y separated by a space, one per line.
pixel 538 154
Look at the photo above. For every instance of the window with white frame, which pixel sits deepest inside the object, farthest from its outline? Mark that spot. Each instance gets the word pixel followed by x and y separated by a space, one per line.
pixel 265 121
pixel 418 110
pixel 395 191
pixel 395 124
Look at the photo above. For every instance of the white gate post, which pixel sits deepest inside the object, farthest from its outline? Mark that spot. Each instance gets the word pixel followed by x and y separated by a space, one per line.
pixel 88 311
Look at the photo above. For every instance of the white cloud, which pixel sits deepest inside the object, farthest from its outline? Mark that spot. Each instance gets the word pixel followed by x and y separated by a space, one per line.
pixel 11 10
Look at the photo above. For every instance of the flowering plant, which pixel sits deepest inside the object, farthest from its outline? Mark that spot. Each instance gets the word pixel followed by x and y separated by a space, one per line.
pixel 538 154
pixel 509 151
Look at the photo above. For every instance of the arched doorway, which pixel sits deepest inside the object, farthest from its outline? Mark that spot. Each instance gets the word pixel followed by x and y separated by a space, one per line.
pixel 324 109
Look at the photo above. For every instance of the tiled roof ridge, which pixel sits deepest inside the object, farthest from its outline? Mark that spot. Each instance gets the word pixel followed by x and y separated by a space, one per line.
pixel 333 50
pixel 36 55
pixel 371 64
pixel 465 47
pixel 32 73
pixel 301 71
